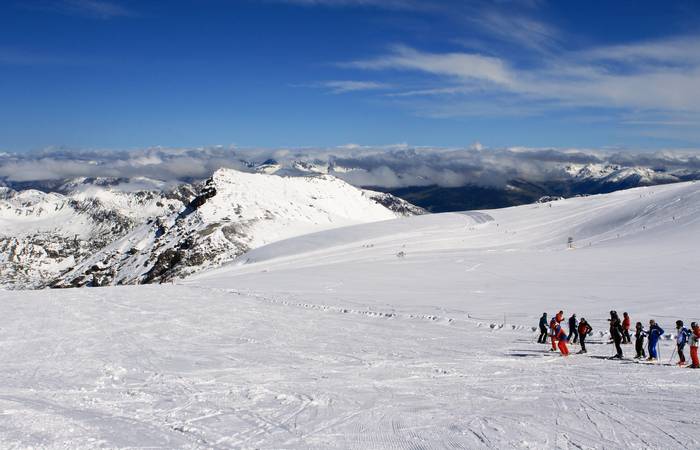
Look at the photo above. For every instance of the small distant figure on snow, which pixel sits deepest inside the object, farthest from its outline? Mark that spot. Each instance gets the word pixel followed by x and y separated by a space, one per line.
pixel 543 329
pixel 552 333
pixel 639 334
pixel 655 332
pixel 584 329
pixel 694 339
pixel 616 332
pixel 626 325
pixel 560 316
pixel 573 329
pixel 681 340
pixel 561 337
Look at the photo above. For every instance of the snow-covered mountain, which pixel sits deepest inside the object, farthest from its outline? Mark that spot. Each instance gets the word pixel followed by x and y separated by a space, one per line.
pixel 601 173
pixel 232 213
pixel 43 234
pixel 621 175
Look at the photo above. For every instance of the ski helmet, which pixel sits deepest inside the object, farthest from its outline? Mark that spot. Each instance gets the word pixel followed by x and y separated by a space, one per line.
pixel 679 323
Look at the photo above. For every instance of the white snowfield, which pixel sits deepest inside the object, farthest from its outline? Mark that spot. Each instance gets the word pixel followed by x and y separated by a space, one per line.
pixel 383 335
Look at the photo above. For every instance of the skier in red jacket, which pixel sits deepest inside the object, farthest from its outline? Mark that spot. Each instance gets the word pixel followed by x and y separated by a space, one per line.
pixel 626 325
pixel 561 337
pixel 560 316
pixel 552 329
pixel 584 330
pixel 694 340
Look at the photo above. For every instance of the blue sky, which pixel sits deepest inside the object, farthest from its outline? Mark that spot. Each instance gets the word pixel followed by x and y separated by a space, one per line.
pixel 132 74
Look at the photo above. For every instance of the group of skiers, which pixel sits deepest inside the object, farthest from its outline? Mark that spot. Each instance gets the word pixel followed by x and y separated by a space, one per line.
pixel 620 334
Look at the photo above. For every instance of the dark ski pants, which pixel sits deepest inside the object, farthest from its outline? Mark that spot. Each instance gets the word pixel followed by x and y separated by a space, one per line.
pixel 618 348
pixel 639 346
pixel 582 340
pixel 681 356
pixel 543 336
pixel 573 333
pixel 626 338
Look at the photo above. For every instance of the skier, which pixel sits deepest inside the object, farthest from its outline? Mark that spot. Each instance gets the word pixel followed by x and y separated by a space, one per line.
pixel 561 337
pixel 543 329
pixel 583 330
pixel 560 316
pixel 552 328
pixel 639 335
pixel 694 339
pixel 681 340
pixel 616 332
pixel 654 334
pixel 626 324
pixel 573 329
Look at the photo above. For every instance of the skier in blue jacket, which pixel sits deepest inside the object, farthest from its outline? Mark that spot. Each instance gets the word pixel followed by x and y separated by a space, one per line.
pixel 681 340
pixel 654 333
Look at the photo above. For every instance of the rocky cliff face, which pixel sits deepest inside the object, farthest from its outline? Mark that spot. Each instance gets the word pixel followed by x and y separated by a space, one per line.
pixel 45 234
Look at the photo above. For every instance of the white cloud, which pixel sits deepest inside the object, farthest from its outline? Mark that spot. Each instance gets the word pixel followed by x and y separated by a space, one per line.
pixel 383 4
pixel 344 86
pixel 681 51
pixel 460 65
pixel 579 79
pixel 388 166
pixel 519 30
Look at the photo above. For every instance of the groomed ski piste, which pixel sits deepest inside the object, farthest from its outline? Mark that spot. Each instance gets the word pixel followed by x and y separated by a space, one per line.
pixel 408 333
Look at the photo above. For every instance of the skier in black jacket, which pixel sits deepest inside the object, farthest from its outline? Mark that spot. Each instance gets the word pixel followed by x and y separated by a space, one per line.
pixel 616 332
pixel 639 335
pixel 543 329
pixel 573 329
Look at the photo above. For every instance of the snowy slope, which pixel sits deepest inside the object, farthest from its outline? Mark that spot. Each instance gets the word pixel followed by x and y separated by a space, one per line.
pixel 650 234
pixel 234 212
pixel 339 340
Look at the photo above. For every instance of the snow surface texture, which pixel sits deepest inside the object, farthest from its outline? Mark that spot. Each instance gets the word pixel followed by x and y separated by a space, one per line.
pixel 410 333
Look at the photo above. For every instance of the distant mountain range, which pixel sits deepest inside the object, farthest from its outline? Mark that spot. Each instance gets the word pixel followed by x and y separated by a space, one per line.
pixel 578 180
pixel 572 180
pixel 102 231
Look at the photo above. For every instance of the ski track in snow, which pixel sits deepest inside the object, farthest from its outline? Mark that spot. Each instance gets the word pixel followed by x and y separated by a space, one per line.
pixel 207 368
pixel 342 344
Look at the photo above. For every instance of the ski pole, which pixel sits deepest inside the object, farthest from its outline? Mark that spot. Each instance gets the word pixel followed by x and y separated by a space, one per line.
pixel 672 355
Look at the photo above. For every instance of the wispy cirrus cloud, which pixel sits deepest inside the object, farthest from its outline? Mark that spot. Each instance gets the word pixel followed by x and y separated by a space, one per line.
pixel 653 76
pixel 91 9
pixel 345 86
pixel 519 30
pixel 466 66
pixel 382 4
